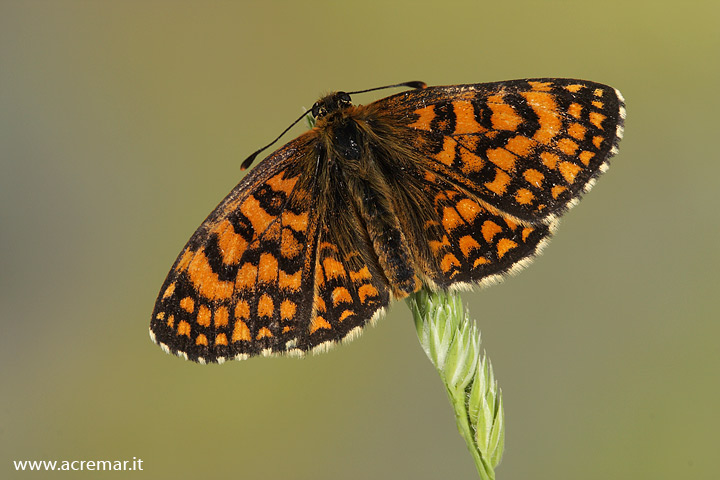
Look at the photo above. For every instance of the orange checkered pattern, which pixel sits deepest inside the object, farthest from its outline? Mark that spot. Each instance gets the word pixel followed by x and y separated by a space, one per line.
pixel 443 187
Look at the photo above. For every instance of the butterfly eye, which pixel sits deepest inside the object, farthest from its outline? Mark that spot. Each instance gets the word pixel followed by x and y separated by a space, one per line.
pixel 318 110
pixel 344 98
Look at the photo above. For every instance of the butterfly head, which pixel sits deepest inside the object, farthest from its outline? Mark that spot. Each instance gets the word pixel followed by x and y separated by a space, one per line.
pixel 330 104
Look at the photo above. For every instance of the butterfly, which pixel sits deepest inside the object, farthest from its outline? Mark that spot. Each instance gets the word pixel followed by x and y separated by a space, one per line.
pixel 440 187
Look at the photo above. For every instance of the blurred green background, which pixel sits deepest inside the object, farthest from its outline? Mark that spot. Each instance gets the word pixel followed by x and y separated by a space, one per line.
pixel 122 124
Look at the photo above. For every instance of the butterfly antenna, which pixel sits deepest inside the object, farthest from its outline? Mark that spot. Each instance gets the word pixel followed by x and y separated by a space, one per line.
pixel 249 160
pixel 415 84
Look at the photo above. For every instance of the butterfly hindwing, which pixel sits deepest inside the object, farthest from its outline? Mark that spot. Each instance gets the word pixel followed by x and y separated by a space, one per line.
pixel 457 241
pixel 348 293
pixel 468 243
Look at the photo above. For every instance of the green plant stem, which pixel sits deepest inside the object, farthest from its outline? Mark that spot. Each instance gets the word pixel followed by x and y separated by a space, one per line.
pixel 452 343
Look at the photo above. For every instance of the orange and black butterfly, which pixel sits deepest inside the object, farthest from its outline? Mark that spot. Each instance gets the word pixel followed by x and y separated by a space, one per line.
pixel 442 187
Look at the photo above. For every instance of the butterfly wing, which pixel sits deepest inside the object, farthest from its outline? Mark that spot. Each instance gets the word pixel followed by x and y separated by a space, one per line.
pixel 457 240
pixel 526 148
pixel 272 270
pixel 349 292
pixel 478 176
pixel 492 167
pixel 235 288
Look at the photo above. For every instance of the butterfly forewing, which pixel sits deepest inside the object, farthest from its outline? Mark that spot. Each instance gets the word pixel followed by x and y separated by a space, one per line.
pixel 528 148
pixel 237 288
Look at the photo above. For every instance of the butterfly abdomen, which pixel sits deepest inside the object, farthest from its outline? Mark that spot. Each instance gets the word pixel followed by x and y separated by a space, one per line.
pixel 388 241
